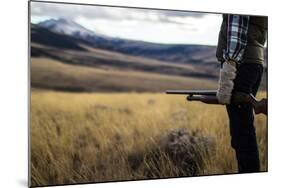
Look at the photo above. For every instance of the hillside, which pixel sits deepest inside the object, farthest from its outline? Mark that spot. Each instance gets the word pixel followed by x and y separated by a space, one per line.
pixel 181 53
pixel 202 58
pixel 136 65
pixel 56 75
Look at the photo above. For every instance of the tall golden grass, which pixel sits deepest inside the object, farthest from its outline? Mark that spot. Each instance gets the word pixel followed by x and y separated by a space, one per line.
pixel 85 137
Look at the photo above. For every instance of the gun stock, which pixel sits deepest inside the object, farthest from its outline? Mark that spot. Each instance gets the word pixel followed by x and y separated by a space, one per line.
pixel 259 106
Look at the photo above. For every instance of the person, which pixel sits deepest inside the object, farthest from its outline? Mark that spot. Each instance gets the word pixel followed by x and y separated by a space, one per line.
pixel 240 50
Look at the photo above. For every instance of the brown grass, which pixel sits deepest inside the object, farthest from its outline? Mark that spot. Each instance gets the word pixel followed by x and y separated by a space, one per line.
pixel 52 74
pixel 88 137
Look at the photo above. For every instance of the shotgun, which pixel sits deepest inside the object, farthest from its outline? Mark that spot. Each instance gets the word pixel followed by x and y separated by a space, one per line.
pixel 209 97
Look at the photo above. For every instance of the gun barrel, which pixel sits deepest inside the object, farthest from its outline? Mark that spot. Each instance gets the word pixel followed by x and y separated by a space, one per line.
pixel 191 92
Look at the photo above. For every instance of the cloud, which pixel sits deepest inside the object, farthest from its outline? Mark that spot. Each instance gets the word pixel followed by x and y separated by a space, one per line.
pixel 183 14
pixel 71 11
pixel 164 26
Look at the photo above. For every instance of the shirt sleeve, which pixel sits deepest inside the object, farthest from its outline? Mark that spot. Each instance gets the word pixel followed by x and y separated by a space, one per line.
pixel 237 28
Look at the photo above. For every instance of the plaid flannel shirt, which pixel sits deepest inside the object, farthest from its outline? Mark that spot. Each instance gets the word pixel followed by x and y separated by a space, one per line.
pixel 237 28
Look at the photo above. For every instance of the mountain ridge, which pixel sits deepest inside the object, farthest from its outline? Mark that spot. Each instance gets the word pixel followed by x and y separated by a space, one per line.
pixel 67 27
pixel 180 53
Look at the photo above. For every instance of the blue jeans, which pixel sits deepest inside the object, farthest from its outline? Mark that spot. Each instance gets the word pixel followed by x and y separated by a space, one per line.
pixel 241 119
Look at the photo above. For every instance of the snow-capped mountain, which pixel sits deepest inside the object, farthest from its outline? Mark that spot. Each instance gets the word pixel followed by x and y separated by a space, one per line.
pixel 66 27
pixel 182 53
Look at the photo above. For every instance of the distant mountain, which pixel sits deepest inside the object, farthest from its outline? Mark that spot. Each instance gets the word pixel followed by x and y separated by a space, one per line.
pixel 180 53
pixel 70 43
pixel 66 27
pixel 46 37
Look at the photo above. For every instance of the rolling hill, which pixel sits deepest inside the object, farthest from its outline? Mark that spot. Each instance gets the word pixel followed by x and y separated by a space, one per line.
pixel 194 54
pixel 66 45
pixel 56 75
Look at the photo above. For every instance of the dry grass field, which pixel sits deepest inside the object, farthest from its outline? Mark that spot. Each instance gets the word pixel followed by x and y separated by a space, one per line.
pixel 53 74
pixel 88 137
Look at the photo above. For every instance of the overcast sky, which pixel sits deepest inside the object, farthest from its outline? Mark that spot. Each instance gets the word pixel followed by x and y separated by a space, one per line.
pixel 160 26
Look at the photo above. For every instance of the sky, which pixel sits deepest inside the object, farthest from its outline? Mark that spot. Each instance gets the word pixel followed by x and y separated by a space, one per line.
pixel 158 26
